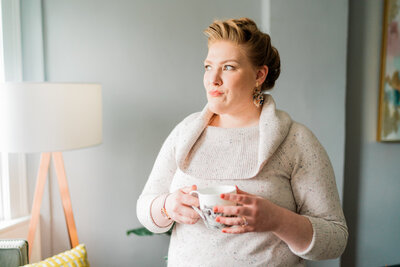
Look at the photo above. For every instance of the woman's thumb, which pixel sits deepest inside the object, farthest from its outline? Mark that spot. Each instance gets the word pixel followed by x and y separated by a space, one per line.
pixel 188 189
pixel 238 191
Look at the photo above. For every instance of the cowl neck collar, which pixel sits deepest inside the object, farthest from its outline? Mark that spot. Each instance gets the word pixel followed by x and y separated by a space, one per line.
pixel 273 126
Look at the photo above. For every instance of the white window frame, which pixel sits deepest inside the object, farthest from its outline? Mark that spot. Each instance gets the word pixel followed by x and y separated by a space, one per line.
pixel 13 174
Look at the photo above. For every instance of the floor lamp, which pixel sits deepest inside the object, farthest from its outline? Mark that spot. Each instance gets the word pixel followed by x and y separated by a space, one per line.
pixel 50 118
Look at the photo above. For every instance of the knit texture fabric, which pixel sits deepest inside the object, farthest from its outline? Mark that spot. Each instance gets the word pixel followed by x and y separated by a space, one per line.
pixel 217 148
pixel 279 160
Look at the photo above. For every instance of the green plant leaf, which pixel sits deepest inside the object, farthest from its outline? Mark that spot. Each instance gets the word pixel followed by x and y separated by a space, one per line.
pixel 142 231
pixel 169 232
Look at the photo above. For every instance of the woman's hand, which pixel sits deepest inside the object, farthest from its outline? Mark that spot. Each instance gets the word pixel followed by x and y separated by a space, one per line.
pixel 179 205
pixel 255 214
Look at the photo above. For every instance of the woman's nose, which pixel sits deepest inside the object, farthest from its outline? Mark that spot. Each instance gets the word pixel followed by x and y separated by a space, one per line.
pixel 215 79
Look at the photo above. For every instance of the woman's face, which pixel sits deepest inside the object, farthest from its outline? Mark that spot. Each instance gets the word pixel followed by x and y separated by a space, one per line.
pixel 229 78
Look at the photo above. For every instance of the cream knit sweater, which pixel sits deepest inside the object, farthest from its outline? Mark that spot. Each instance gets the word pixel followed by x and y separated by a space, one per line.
pixel 280 160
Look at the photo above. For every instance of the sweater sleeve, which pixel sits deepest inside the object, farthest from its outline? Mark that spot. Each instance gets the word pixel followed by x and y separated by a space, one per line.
pixel 316 195
pixel 158 183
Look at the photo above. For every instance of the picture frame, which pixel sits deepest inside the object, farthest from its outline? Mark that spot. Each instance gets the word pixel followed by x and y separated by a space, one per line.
pixel 388 129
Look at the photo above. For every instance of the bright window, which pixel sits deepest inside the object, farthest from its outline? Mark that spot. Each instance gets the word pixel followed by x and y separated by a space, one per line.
pixel 13 184
pixel 3 156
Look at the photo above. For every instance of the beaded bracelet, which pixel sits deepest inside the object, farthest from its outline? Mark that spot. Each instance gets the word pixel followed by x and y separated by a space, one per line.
pixel 164 211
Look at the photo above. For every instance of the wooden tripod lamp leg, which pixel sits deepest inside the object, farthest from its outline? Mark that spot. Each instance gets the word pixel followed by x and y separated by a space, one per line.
pixel 37 199
pixel 65 197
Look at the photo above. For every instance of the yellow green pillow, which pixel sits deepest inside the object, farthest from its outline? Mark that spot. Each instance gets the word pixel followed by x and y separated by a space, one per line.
pixel 75 257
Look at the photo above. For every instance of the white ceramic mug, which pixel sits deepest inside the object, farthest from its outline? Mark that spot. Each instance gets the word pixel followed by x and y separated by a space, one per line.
pixel 210 197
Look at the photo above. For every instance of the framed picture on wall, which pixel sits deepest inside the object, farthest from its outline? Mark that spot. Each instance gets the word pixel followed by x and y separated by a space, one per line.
pixel 389 96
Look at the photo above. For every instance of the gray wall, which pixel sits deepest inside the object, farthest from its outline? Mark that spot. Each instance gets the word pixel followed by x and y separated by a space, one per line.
pixel 372 180
pixel 148 57
pixel 312 37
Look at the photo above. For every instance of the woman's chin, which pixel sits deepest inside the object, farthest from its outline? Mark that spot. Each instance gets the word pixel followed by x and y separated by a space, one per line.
pixel 216 107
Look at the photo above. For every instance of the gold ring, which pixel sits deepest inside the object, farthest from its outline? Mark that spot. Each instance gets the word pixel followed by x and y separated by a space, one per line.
pixel 244 221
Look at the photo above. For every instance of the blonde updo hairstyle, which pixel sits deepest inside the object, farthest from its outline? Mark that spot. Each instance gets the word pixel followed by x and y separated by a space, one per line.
pixel 257 45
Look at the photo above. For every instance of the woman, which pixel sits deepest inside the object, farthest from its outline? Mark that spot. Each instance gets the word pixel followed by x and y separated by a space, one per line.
pixel 288 205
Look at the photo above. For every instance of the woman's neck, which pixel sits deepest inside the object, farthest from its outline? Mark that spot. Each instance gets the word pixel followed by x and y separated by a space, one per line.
pixel 237 120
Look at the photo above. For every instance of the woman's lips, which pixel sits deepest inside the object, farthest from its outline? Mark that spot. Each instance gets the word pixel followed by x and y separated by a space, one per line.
pixel 215 93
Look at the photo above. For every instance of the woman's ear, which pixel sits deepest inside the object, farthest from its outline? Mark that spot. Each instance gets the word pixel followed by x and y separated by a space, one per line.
pixel 262 73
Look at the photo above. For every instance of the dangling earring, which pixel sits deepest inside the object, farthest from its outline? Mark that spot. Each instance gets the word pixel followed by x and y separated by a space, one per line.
pixel 258 96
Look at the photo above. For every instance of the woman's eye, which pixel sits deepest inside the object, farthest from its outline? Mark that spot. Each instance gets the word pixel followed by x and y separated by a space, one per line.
pixel 207 67
pixel 228 67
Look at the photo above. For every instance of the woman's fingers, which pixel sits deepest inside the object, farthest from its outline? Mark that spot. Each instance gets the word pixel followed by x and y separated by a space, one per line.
pixel 232 220
pixel 188 189
pixel 237 229
pixel 231 210
pixel 239 198
pixel 178 205
pixel 187 212
pixel 238 191
pixel 186 215
pixel 185 220
pixel 189 200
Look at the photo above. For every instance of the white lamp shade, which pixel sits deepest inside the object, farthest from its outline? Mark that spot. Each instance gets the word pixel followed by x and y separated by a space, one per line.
pixel 49 117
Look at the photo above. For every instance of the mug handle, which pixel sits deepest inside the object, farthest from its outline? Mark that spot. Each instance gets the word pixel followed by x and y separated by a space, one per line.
pixel 196 209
